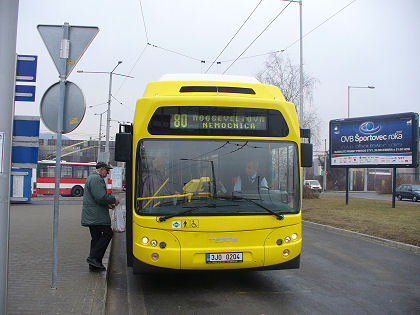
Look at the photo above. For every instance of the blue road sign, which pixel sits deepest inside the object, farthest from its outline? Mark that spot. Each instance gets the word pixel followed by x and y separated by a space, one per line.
pixel 26 68
pixel 25 93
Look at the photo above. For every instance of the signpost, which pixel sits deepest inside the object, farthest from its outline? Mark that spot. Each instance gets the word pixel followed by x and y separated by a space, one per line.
pixel 74 107
pixel 26 68
pixel 386 141
pixel 25 72
pixel 25 93
pixel 66 45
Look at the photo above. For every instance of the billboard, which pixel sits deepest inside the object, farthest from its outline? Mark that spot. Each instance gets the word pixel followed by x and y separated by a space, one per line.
pixel 375 141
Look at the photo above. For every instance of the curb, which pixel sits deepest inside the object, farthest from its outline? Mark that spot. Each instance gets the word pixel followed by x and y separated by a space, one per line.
pixel 383 241
pixel 99 303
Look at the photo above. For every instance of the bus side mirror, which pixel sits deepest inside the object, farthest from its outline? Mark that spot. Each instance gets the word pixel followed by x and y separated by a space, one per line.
pixel 123 144
pixel 306 154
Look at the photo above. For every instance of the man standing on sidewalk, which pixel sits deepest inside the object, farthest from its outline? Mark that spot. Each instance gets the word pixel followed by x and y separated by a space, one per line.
pixel 95 215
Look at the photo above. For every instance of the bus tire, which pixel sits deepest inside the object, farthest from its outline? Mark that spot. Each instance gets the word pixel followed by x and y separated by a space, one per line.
pixel 77 191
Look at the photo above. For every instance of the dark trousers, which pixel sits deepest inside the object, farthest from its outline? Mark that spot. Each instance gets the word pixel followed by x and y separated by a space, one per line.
pixel 101 236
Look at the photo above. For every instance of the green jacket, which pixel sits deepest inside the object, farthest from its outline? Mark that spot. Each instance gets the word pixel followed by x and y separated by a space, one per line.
pixel 95 209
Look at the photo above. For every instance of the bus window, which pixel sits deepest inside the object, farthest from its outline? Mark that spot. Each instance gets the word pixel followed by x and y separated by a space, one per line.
pixel 197 172
pixel 66 171
pixel 47 171
pixel 81 171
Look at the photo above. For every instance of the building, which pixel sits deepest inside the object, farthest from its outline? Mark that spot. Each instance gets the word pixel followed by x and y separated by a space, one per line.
pixel 73 150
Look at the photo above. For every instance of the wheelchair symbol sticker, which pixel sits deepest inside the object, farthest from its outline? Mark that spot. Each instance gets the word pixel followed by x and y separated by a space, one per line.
pixel 190 223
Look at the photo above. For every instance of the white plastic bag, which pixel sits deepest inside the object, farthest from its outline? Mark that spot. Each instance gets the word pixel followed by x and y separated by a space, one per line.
pixel 118 219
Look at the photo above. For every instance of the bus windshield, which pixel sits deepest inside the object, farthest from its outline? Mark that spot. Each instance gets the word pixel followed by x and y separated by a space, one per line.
pixel 216 177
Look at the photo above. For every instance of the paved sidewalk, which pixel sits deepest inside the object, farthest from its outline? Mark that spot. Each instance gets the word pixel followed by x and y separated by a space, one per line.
pixel 79 291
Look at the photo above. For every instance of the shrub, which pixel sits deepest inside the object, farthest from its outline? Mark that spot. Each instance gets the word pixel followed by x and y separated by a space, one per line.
pixel 310 193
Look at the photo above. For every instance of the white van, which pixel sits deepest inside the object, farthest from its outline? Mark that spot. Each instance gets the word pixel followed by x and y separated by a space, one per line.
pixel 313 184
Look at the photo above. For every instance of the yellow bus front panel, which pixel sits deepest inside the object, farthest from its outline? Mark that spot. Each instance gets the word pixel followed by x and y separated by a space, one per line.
pixel 188 248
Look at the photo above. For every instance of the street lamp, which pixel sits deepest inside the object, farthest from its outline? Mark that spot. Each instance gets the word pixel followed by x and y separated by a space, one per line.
pixel 348 116
pixel 108 120
pixel 300 61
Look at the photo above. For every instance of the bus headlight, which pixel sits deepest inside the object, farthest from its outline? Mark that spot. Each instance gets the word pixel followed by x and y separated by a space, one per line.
pixel 155 256
pixel 286 253
pixel 153 243
pixel 145 240
pixel 294 236
pixel 287 239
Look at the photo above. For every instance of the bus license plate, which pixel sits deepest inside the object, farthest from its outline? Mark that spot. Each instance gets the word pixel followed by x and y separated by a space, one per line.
pixel 223 258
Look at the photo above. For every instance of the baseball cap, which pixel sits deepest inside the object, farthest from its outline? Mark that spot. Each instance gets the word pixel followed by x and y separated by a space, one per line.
pixel 103 164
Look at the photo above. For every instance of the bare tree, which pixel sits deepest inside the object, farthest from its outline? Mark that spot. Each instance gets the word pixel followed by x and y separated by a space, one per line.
pixel 280 71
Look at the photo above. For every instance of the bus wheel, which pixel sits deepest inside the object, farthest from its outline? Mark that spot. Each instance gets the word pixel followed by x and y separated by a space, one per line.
pixel 77 191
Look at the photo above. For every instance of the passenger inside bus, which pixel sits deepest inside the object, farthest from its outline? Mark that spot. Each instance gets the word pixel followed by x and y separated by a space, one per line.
pixel 250 180
pixel 155 181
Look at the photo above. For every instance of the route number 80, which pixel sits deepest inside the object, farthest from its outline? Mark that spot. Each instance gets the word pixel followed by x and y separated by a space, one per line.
pixel 180 120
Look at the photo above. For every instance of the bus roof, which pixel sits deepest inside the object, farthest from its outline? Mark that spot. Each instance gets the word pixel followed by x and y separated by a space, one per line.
pixel 196 84
pixel 208 77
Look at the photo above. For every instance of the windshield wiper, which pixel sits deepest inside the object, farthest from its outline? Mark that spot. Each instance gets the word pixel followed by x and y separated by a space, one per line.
pixel 279 216
pixel 189 209
pixel 166 217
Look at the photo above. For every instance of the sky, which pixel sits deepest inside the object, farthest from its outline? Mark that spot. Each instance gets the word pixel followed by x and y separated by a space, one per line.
pixel 367 43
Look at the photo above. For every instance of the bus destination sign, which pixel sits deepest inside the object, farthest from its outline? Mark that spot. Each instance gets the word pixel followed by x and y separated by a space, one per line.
pixel 218 121
pixel 224 122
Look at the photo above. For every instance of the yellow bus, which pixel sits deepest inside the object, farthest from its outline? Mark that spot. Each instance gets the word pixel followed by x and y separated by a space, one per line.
pixel 213 176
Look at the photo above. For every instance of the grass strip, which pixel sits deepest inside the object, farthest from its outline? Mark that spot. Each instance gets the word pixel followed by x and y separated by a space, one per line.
pixel 372 217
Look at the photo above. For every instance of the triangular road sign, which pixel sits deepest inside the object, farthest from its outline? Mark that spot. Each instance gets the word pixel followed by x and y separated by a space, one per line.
pixel 80 38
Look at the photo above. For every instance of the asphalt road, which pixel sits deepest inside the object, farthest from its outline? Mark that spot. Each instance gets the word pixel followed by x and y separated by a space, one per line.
pixel 339 274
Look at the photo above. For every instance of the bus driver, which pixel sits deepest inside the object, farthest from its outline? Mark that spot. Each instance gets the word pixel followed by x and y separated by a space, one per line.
pixel 251 181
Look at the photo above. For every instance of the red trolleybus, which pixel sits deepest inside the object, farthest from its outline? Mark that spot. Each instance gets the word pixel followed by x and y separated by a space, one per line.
pixel 72 181
pixel 213 176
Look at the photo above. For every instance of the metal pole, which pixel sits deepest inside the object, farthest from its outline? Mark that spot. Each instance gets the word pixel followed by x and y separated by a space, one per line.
pixel 325 165
pixel 394 185
pixel 301 79
pixel 301 65
pixel 100 137
pixel 64 53
pixel 349 170
pixel 366 180
pixel 347 185
pixel 8 31
pixel 108 119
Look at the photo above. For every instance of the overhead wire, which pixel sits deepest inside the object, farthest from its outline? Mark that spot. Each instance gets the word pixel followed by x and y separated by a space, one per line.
pixel 233 36
pixel 306 34
pixel 253 56
pixel 141 53
pixel 175 52
pixel 319 25
pixel 132 68
pixel 272 21
pixel 297 40
pixel 144 21
pixel 231 60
